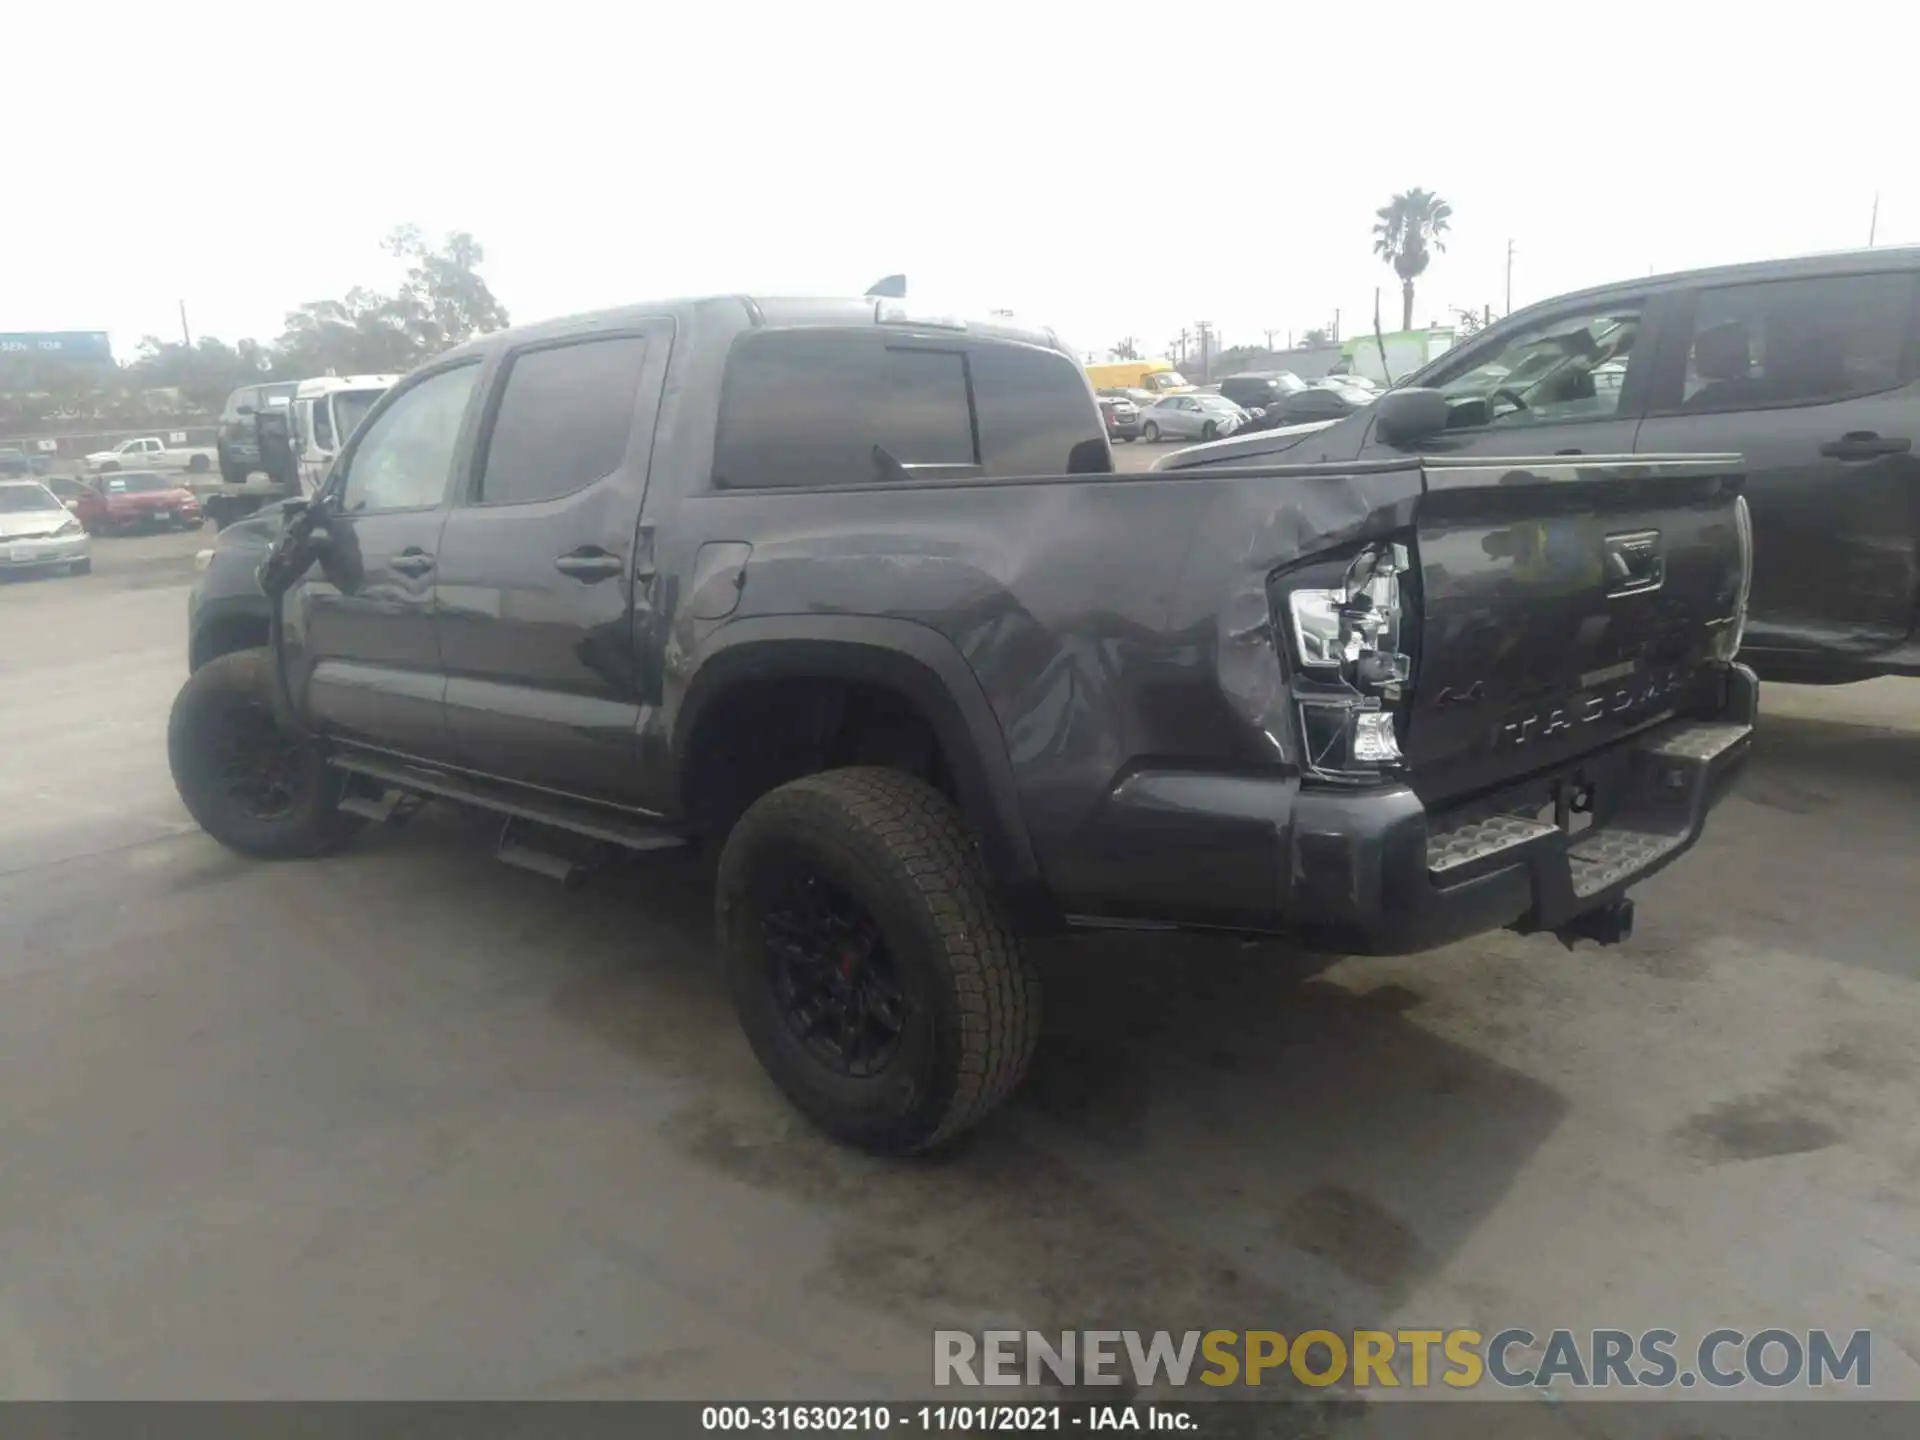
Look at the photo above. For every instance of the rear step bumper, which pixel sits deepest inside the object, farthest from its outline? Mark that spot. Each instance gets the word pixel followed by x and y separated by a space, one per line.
pixel 1373 872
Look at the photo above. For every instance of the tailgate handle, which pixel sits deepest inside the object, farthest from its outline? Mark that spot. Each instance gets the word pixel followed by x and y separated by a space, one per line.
pixel 1633 562
pixel 1865 445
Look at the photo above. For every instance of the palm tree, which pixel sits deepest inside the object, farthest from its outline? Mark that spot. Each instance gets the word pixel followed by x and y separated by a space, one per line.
pixel 1126 349
pixel 1406 234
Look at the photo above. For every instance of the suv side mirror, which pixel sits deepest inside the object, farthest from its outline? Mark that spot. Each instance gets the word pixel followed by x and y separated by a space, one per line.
pixel 1406 418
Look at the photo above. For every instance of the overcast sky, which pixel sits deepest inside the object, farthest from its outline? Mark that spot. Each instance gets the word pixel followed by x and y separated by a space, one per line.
pixel 1107 169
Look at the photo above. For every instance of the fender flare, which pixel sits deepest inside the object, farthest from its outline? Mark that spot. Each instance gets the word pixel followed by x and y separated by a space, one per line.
pixel 912 659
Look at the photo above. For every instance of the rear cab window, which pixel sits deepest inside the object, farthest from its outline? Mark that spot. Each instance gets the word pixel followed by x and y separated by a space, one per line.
pixel 815 407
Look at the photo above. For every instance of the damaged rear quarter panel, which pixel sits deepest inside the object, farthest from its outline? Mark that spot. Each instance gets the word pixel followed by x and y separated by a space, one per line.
pixel 1112 622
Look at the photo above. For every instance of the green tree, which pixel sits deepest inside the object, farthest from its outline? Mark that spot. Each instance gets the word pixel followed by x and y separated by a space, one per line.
pixel 1407 231
pixel 1319 335
pixel 442 301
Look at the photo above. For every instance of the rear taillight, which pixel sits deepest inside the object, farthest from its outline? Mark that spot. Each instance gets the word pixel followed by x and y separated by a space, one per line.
pixel 1353 666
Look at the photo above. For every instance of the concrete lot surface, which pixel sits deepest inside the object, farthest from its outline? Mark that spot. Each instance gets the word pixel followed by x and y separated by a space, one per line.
pixel 409 1123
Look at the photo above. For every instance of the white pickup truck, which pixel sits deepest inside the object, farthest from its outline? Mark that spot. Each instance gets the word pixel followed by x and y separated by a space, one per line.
pixel 149 452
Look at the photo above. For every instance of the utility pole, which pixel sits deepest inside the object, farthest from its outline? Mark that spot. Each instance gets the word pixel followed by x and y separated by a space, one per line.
pixel 1204 329
pixel 1269 334
pixel 1509 277
pixel 1873 225
pixel 1179 344
pixel 186 336
pixel 1336 327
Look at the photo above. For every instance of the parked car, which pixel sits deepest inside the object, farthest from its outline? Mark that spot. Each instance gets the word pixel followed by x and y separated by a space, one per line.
pixel 237 442
pixel 785 628
pixel 1122 416
pixel 38 533
pixel 1310 402
pixel 1190 417
pixel 137 500
pixel 15 465
pixel 149 452
pixel 1805 366
pixel 1261 392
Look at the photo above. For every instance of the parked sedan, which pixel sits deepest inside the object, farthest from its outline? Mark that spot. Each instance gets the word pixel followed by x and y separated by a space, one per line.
pixel 1191 417
pixel 38 533
pixel 1122 416
pixel 137 500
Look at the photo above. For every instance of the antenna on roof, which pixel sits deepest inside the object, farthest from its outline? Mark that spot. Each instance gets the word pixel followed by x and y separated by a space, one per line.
pixel 893 287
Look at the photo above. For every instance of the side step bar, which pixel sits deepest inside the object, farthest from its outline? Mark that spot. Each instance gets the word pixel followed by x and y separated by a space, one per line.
pixel 517 803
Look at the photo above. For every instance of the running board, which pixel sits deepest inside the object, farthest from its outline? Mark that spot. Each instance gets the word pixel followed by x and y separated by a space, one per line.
pixel 541 807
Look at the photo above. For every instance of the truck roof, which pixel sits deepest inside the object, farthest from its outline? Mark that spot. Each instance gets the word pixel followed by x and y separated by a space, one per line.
pixel 775 311
pixel 328 384
pixel 1833 262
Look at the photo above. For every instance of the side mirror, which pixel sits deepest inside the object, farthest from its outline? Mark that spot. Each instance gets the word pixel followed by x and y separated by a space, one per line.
pixel 1407 418
pixel 246 410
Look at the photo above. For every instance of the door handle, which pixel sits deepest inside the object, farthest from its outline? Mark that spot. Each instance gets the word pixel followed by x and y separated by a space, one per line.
pixel 1864 445
pixel 590 565
pixel 411 561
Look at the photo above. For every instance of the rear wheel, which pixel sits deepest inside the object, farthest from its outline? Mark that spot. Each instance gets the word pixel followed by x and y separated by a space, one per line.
pixel 249 783
pixel 1209 430
pixel 198 464
pixel 1150 432
pixel 869 965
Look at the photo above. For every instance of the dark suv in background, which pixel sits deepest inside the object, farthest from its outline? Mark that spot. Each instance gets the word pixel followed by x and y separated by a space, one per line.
pixel 1810 368
pixel 238 443
pixel 1259 392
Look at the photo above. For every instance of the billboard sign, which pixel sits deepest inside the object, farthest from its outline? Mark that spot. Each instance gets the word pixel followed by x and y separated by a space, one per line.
pixel 57 344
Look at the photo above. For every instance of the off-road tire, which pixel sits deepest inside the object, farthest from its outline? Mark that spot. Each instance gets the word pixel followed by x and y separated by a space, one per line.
pixel 1150 433
pixel 900 849
pixel 210 698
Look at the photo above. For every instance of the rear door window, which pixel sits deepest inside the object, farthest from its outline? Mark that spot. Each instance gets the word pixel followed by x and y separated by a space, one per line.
pixel 563 420
pixel 1794 342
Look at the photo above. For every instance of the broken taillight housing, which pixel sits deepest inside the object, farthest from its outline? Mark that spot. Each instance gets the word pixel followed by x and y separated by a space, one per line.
pixel 1354 665
pixel 1726 644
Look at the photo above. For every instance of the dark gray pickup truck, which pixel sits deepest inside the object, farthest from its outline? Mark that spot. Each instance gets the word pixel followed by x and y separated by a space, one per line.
pixel 853 598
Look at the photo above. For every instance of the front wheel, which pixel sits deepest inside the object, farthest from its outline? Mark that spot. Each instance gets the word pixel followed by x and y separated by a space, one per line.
pixel 1209 430
pixel 251 785
pixel 1150 432
pixel 199 464
pixel 869 965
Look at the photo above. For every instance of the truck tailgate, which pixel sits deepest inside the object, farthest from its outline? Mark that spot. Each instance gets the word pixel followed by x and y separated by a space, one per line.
pixel 1564 605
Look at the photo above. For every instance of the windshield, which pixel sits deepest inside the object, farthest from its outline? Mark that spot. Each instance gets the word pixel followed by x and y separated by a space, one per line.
pixel 143 482
pixel 1167 380
pixel 20 499
pixel 350 407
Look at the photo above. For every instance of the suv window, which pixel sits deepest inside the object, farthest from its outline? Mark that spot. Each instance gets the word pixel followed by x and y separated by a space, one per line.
pixel 405 453
pixel 1567 368
pixel 1795 342
pixel 809 407
pixel 563 420
pixel 1034 417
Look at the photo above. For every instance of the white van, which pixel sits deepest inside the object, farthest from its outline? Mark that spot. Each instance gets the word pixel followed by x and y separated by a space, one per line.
pixel 326 411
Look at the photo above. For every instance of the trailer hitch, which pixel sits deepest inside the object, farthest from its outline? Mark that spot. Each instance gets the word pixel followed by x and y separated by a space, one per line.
pixel 1609 924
